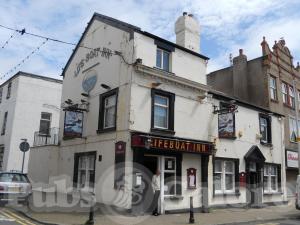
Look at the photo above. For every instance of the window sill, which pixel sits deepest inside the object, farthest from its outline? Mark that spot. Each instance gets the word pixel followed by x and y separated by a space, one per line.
pixel 274 100
pixel 174 197
pixel 164 131
pixel 167 71
pixel 230 138
pixel 227 194
pixel 112 129
pixel 273 193
pixel 266 144
pixel 288 106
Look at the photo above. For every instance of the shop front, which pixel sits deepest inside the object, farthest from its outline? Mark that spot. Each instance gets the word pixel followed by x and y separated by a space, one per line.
pixel 183 166
pixel 291 171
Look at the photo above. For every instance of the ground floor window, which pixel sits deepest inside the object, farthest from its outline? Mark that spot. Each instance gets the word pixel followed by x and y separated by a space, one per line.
pixel 271 178
pixel 169 176
pixel 225 173
pixel 84 172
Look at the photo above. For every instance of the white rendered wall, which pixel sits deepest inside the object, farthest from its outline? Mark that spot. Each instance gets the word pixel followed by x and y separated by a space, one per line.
pixel 145 49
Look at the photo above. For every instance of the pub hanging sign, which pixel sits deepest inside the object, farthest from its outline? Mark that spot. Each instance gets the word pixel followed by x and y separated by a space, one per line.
pixel 171 144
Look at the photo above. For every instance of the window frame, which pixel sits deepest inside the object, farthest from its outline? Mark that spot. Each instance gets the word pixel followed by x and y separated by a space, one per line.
pixel 8 94
pixel 288 95
pixel 77 157
pixel 171 105
pixel 42 119
pixel 101 121
pixel 1 95
pixel 170 171
pixel 294 121
pixel 4 124
pixel 277 176
pixel 234 173
pixel 268 126
pixel 273 90
pixel 161 66
pixel 284 90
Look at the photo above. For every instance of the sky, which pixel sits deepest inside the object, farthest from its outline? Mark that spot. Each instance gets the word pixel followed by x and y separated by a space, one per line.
pixel 226 26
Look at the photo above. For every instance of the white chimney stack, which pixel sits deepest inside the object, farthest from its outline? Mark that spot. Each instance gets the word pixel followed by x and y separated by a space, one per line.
pixel 187 31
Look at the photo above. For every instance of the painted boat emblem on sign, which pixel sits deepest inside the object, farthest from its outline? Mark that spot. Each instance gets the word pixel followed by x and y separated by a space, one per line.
pixel 89 81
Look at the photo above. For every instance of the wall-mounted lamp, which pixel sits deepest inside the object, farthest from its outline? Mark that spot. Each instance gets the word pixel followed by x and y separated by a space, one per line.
pixel 105 86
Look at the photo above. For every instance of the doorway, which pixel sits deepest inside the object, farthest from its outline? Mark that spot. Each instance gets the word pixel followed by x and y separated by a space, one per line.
pixel 253 181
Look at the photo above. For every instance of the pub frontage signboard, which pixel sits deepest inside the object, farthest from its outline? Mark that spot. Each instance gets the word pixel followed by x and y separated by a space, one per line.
pixel 171 144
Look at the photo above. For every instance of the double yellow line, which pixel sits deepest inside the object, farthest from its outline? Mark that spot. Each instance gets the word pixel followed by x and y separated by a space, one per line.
pixel 13 216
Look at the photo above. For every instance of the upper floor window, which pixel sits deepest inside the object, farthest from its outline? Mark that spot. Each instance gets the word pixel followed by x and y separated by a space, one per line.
pixel 273 88
pixel 298 93
pixel 108 110
pixel 163 59
pixel 1 92
pixel 288 95
pixel 45 123
pixel 8 90
pixel 284 93
pixel 265 129
pixel 162 110
pixel 291 97
pixel 4 123
pixel 293 129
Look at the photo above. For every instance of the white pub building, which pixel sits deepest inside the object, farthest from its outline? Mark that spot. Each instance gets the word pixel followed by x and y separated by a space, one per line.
pixel 134 103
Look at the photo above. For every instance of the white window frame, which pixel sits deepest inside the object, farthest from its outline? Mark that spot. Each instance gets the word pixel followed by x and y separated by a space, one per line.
pixel 293 127
pixel 284 89
pixel 161 54
pixel 223 176
pixel 47 120
pixel 87 169
pixel 291 95
pixel 106 108
pixel 167 107
pixel 273 88
pixel 298 93
pixel 269 180
pixel 169 171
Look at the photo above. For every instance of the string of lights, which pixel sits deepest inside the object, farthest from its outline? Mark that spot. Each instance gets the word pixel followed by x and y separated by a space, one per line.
pixel 23 60
pixel 7 41
pixel 23 31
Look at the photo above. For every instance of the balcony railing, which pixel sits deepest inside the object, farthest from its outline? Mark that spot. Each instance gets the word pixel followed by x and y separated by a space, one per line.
pixel 51 138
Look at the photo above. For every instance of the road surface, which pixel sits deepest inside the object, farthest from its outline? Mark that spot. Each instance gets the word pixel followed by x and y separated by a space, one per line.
pixel 10 217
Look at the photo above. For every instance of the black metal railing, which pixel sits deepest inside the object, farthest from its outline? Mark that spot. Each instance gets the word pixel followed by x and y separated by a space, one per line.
pixel 49 138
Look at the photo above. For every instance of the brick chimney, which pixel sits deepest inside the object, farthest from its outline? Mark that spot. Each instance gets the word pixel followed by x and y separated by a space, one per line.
pixel 187 31
pixel 240 76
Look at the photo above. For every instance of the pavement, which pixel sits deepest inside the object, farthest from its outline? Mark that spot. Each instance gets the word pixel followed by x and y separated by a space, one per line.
pixel 273 215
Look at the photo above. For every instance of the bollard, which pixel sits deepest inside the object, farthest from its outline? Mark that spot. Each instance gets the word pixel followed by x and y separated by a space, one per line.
pixel 192 220
pixel 91 217
pixel 91 213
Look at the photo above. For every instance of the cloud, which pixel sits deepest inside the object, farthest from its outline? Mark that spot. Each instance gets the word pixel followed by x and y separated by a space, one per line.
pixel 226 26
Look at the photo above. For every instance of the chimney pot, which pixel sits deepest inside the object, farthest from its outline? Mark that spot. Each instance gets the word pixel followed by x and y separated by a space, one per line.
pixel 241 51
pixel 191 15
pixel 184 13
